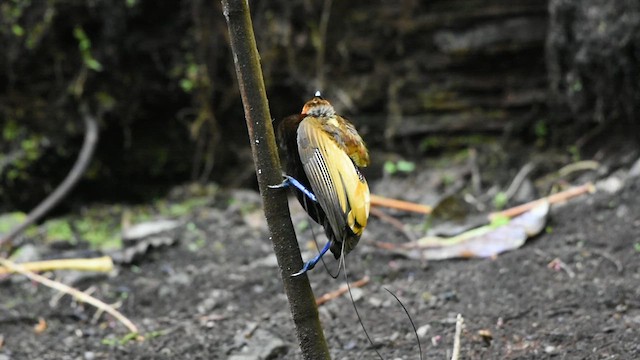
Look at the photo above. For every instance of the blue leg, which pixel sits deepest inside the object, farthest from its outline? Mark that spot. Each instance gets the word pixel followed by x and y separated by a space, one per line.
pixel 291 181
pixel 312 263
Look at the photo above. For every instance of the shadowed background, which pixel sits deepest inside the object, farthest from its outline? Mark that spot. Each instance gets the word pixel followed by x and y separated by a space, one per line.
pixel 414 77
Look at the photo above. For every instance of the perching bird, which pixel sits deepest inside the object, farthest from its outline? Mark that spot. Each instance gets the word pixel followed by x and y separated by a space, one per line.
pixel 323 155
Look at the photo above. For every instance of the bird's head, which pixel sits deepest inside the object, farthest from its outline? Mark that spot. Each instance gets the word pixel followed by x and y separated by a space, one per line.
pixel 318 107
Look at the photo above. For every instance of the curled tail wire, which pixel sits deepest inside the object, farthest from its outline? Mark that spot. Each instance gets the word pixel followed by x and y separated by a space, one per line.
pixel 346 279
pixel 415 331
pixel 343 265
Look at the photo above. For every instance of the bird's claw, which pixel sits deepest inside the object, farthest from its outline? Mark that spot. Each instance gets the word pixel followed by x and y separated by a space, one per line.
pixel 291 181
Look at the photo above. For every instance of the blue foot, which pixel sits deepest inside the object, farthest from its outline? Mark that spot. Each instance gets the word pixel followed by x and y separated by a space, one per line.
pixel 291 181
pixel 312 263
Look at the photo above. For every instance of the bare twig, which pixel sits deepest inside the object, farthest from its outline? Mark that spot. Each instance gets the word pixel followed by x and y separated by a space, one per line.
pixel 552 199
pixel 393 222
pixel 342 290
pixel 476 181
pixel 557 264
pixel 567 170
pixel 71 291
pixel 84 158
pixel 456 340
pixel 518 180
pixel 578 166
pixel 613 260
pixel 101 264
pixel 377 200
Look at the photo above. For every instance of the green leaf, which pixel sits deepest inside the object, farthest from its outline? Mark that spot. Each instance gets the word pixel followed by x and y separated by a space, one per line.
pixel 83 41
pixel 500 220
pixel 406 166
pixel 541 129
pixel 390 167
pixel 17 30
pixel 500 200
pixel 93 64
pixel 186 85
pixel 10 130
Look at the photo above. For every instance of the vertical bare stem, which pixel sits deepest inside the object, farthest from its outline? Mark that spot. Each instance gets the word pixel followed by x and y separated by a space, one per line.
pixel 265 155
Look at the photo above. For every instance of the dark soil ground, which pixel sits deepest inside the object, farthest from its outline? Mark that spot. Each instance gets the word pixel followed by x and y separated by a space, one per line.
pixel 570 293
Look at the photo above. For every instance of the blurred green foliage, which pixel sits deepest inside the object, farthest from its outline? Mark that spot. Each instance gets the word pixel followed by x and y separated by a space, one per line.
pixel 84 44
pixel 400 166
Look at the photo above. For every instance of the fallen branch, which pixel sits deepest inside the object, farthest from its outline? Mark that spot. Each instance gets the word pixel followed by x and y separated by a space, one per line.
pixel 101 264
pixel 79 295
pixel 514 211
pixel 343 289
pixel 552 199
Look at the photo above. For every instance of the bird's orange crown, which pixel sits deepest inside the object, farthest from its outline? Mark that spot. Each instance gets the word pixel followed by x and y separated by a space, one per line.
pixel 318 107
